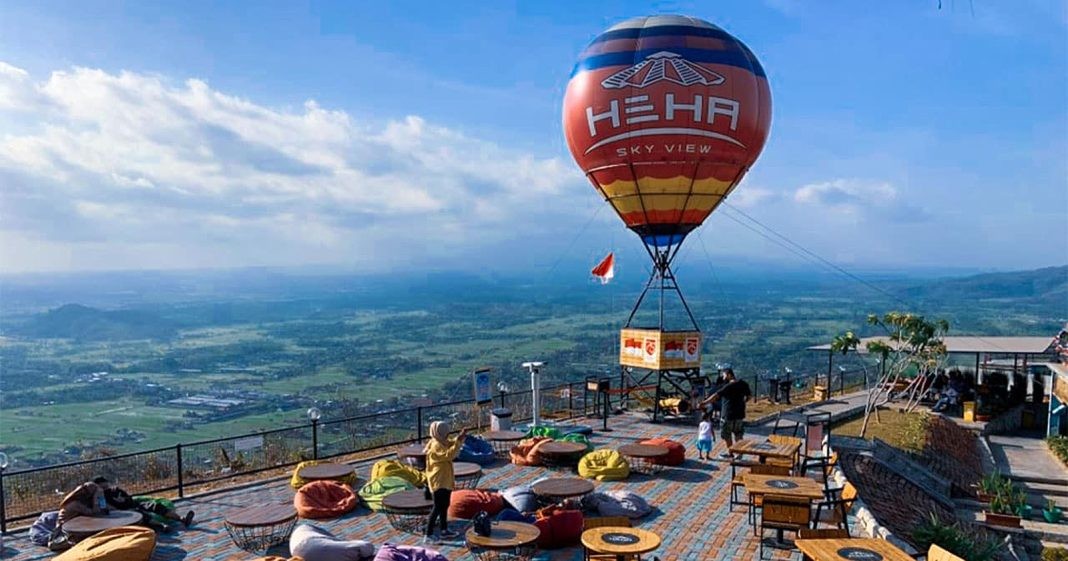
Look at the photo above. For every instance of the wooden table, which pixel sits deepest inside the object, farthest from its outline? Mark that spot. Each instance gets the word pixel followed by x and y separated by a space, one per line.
pixel 260 527
pixel 330 471
pixel 642 457
pixel 556 489
pixel 801 487
pixel 621 541
pixel 466 474
pixel 81 527
pixel 413 455
pixel 559 454
pixel 764 449
pixel 851 549
pixel 516 538
pixel 407 510
pixel 503 440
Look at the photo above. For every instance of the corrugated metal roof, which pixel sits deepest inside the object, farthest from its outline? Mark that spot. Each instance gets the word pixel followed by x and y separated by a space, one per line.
pixel 976 344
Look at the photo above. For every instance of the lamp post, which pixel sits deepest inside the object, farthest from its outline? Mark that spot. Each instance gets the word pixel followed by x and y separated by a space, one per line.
pixel 535 390
pixel 503 388
pixel 313 416
pixel 841 379
pixel 3 503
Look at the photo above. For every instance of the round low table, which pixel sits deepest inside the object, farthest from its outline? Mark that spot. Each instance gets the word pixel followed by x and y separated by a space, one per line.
pixel 561 454
pixel 326 471
pixel 81 527
pixel 642 457
pixel 466 474
pixel 260 527
pixel 407 510
pixel 621 541
pixel 507 540
pixel 558 489
pixel 503 441
pixel 413 455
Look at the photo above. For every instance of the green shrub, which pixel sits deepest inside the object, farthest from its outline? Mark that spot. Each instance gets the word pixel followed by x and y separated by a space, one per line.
pixel 1059 446
pixel 1055 554
pixel 959 540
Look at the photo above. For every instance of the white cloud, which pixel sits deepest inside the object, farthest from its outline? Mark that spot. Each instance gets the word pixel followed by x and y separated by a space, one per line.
pixel 856 198
pixel 745 196
pixel 127 160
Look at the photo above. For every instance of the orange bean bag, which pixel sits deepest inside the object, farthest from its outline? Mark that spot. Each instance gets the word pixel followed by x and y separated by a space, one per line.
pixel 324 499
pixel 125 543
pixel 466 503
pixel 559 527
pixel 526 452
pixel 676 452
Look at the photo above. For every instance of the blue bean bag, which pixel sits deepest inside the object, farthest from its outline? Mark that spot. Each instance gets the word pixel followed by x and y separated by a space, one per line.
pixel 509 515
pixel 520 498
pixel 477 451
pixel 577 429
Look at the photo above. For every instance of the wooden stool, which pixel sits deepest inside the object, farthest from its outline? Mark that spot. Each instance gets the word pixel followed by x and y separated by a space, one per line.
pixel 466 474
pixel 507 540
pixel 407 511
pixel 641 457
pixel 81 527
pixel 503 441
pixel 261 527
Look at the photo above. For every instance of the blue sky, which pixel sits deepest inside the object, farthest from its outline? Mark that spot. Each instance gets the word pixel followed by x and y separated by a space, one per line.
pixel 385 135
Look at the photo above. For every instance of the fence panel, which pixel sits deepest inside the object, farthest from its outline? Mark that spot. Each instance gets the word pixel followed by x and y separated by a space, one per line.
pixel 214 460
pixel 347 436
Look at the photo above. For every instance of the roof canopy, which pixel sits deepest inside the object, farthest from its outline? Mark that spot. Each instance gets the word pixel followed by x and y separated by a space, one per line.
pixel 976 344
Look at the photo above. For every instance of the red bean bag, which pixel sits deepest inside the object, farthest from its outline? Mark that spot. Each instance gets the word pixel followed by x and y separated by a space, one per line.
pixel 466 503
pixel 676 452
pixel 526 452
pixel 324 499
pixel 559 527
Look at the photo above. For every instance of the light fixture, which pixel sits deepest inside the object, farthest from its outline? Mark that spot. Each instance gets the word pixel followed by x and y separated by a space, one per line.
pixel 314 414
pixel 3 460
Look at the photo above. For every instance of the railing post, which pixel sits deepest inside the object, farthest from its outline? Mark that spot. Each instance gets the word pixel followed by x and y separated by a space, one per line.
pixel 315 439
pixel 3 508
pixel 419 423
pixel 181 482
pixel 570 400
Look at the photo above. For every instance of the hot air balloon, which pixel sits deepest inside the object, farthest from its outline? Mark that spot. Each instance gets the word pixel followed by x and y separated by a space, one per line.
pixel 665 114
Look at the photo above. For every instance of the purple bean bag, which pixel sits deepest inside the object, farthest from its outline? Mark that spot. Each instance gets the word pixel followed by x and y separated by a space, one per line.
pixel 390 552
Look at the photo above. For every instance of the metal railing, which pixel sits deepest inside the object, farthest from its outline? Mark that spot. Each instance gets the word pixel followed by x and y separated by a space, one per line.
pixel 25 494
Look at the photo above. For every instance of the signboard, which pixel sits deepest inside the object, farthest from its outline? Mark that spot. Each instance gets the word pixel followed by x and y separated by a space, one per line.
pixel 483 390
pixel 660 350
pixel 1060 386
pixel 249 443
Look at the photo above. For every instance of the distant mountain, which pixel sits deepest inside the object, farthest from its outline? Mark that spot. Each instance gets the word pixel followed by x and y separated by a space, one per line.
pixel 1046 286
pixel 74 321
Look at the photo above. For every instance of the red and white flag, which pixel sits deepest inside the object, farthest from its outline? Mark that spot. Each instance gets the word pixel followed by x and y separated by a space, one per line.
pixel 606 269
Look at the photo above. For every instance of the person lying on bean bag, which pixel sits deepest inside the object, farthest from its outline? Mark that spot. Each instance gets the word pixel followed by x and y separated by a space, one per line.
pixel 526 452
pixel 390 552
pixel 297 481
pixel 676 452
pixel 520 498
pixel 393 468
pixel 378 489
pixel 476 451
pixel 316 544
pixel 125 543
pixel 604 464
pixel 466 503
pixel 324 499
pixel 617 503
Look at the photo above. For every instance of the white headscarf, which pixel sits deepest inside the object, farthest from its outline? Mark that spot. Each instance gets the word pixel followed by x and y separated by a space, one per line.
pixel 439 430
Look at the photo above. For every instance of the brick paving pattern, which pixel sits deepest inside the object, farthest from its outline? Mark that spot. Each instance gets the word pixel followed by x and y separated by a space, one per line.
pixel 692 514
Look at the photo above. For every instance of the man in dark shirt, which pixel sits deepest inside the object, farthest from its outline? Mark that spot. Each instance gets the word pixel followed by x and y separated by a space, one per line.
pixel 732 397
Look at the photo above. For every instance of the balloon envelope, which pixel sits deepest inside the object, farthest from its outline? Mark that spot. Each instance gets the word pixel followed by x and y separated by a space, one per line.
pixel 665 114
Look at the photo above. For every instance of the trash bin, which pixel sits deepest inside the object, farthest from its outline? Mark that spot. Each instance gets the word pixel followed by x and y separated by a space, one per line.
pixel 773 389
pixel 784 391
pixel 501 419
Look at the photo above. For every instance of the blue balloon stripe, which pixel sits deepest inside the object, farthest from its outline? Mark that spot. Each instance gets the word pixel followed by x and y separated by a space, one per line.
pixel 737 58
pixel 693 31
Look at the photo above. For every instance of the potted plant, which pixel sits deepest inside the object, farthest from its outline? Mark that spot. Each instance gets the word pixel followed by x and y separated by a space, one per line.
pixel 1002 509
pixel 1052 513
pixel 989 486
pixel 1020 506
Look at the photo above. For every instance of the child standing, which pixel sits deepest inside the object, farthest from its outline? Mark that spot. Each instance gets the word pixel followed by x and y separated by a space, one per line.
pixel 704 437
pixel 440 453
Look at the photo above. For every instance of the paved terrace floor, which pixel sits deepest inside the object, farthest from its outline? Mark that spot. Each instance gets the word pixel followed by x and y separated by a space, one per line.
pixel 692 513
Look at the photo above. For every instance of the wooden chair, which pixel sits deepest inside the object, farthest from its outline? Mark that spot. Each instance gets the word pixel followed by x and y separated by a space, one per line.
pixel 790 440
pixel 821 534
pixel 835 509
pixel 736 481
pixel 599 522
pixel 755 501
pixel 784 513
pixel 785 427
pixel 935 553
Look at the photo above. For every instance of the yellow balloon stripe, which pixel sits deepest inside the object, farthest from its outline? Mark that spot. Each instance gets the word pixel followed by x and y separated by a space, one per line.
pixel 665 202
pixel 652 185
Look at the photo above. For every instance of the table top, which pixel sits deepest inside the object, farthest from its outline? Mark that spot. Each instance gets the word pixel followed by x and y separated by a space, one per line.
pixel 262 515
pixel 504 435
pixel 556 448
pixel 466 469
pixel 504 535
pixel 643 450
pixel 412 450
pixel 562 487
pixel 99 523
pixel 620 540
pixel 412 499
pixel 326 471
pixel 764 448
pixel 851 549
pixel 761 484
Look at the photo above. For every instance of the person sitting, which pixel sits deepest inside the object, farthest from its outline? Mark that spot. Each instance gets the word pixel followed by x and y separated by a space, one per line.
pixel 86 499
pixel 951 396
pixel 158 513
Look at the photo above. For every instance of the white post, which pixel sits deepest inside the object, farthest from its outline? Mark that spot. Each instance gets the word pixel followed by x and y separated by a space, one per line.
pixel 535 390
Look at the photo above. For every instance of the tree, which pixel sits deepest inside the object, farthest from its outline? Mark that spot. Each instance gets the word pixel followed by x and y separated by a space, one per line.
pixel 912 345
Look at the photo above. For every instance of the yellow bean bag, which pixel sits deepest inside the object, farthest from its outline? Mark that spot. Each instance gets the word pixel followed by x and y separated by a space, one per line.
pixel 604 464
pixel 297 481
pixel 393 468
pixel 125 543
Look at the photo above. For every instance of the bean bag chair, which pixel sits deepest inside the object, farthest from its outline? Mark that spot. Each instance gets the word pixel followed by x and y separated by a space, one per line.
pixel 390 552
pixel 393 468
pixel 316 544
pixel 604 465
pixel 466 503
pixel 276 558
pixel 476 451
pixel 676 452
pixel 509 515
pixel 297 482
pixel 377 489
pixel 520 498
pixel 578 438
pixel 559 527
pixel 616 503
pixel 542 430
pixel 125 543
pixel 526 452
pixel 324 499
pixel 576 429
pixel 42 528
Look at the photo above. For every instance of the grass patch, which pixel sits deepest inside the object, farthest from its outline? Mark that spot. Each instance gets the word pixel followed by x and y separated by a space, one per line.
pixel 907 431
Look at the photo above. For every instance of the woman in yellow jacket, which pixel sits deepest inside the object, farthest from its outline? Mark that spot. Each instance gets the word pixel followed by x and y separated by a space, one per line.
pixel 440 453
